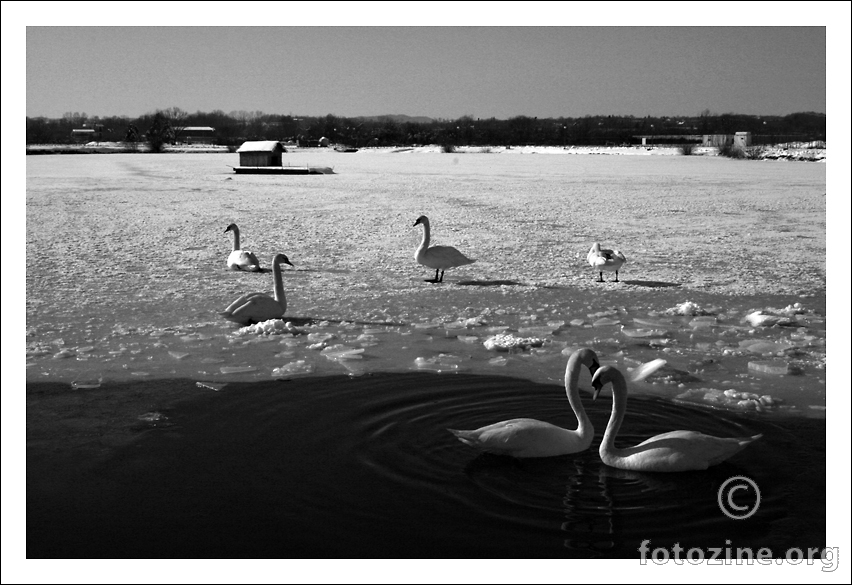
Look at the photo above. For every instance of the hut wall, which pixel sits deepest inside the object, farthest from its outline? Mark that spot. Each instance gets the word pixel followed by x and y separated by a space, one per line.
pixel 258 159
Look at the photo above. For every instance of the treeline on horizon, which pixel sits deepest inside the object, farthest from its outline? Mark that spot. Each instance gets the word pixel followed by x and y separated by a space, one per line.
pixel 234 128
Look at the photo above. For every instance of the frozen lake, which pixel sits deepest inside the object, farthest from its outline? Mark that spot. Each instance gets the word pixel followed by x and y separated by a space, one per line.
pixel 238 440
pixel 725 272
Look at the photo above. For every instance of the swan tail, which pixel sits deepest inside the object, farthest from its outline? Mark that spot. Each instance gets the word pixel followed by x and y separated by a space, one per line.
pixel 466 437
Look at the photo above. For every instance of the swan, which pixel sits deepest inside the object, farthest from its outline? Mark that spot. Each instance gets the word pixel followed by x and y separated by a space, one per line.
pixel 437 257
pixel 526 437
pixel 610 260
pixel 241 259
pixel 673 451
pixel 257 307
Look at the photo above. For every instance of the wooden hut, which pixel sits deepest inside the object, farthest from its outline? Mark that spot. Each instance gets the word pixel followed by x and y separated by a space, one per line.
pixel 197 135
pixel 260 153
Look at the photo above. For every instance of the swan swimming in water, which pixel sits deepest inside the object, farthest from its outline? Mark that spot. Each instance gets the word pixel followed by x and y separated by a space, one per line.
pixel 241 259
pixel 437 257
pixel 673 451
pixel 527 437
pixel 609 260
pixel 257 307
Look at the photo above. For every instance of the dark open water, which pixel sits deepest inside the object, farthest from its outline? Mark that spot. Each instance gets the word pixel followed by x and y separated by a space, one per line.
pixel 364 468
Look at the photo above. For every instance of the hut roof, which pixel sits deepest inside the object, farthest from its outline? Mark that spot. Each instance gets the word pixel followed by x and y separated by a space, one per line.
pixel 261 146
pixel 199 129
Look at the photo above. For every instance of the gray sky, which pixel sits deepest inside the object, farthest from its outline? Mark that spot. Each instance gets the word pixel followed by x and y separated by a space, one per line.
pixel 436 71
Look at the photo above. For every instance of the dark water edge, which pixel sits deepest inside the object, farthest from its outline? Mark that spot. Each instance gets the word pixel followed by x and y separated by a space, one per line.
pixel 363 467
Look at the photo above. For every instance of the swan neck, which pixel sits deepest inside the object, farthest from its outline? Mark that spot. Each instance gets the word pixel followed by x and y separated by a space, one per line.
pixel 236 231
pixel 572 389
pixel 279 284
pixel 619 408
pixel 426 234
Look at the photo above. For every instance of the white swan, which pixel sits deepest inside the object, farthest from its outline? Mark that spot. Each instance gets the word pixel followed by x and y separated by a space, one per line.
pixel 241 259
pixel 674 451
pixel 609 260
pixel 437 257
pixel 257 307
pixel 527 437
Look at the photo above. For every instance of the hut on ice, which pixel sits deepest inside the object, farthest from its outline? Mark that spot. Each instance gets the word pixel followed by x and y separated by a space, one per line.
pixel 260 153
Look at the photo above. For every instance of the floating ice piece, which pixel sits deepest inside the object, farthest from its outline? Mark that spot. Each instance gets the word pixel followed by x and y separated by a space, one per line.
pixel 319 337
pixel 210 386
pixel 770 367
pixel 605 321
pixel 507 341
pixel 631 332
pixel 269 327
pixel 762 347
pixel 178 355
pixel 639 373
pixel 236 369
pixel 687 308
pixel 760 319
pixel 732 399
pixel 537 331
pixel 64 354
pixel 577 322
pixel 440 363
pixel 468 338
pixel 85 384
pixel 498 361
pixel 703 322
pixel 343 352
pixel 297 368
pixel 463 323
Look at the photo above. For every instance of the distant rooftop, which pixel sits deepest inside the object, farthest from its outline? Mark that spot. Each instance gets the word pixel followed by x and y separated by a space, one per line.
pixel 260 146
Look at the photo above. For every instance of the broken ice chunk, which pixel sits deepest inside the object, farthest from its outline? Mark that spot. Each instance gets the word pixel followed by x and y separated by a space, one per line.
pixel 770 367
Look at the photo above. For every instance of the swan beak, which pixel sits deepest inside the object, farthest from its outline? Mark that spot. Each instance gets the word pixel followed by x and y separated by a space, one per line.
pixel 290 263
pixel 594 367
pixel 597 384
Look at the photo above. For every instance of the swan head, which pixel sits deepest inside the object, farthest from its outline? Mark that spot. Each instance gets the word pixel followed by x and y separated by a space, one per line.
pixel 231 228
pixel 282 258
pixel 603 376
pixel 421 219
pixel 588 358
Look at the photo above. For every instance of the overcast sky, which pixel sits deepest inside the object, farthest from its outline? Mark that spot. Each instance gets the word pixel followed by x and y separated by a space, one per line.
pixel 435 71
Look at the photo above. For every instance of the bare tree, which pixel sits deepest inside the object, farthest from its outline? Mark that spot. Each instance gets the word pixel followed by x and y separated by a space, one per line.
pixel 176 119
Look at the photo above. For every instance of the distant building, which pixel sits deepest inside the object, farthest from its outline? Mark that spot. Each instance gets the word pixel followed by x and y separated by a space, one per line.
pixel 739 139
pixel 742 139
pixel 260 153
pixel 197 135
pixel 717 140
pixel 84 135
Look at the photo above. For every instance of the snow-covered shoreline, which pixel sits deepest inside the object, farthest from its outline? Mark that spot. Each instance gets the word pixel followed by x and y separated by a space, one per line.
pixel 807 152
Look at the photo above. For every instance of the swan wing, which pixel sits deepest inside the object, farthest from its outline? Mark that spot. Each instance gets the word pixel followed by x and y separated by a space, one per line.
pixel 523 437
pixel 441 257
pixel 253 308
pixel 683 451
pixel 243 260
